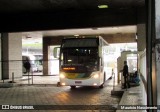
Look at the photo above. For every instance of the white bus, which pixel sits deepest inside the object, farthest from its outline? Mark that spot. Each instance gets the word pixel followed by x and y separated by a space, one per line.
pixel 82 62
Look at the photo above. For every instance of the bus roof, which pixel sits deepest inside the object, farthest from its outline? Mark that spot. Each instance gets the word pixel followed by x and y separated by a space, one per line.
pixel 80 42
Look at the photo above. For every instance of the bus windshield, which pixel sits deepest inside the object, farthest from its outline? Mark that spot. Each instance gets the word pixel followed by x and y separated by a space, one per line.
pixel 83 56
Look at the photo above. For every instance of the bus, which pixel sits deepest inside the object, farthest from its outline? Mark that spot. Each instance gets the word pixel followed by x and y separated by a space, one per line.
pixel 82 62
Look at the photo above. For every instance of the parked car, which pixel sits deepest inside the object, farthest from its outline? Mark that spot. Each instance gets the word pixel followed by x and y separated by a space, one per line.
pixel 39 68
pixel 34 68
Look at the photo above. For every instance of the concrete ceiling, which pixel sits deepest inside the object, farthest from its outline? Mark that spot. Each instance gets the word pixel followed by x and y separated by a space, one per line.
pixel 70 17
pixel 35 15
pixel 30 6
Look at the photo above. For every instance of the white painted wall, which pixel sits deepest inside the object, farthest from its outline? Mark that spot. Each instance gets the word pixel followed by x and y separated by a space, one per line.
pixel 15 54
pixel 53 64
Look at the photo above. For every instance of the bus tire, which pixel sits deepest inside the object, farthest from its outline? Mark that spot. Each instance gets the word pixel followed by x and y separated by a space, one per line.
pixel 111 77
pixel 73 87
pixel 102 85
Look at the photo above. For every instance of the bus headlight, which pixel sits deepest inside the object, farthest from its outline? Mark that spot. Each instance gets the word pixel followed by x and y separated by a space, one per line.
pixel 96 76
pixel 63 84
pixel 62 75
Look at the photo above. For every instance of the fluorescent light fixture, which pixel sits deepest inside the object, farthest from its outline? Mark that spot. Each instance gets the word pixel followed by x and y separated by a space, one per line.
pixel 69 60
pixel 102 6
pixel 76 35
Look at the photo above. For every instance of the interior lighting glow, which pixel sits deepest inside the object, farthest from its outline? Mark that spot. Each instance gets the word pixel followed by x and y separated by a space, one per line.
pixel 62 75
pixel 69 68
pixel 96 76
pixel 63 84
pixel 102 6
pixel 95 84
pixel 69 60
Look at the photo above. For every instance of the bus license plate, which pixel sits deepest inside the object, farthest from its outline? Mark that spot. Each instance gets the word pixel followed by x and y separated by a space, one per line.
pixel 78 82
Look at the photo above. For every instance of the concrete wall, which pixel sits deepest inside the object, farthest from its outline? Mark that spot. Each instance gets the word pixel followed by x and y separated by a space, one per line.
pixel 15 54
pixel 0 59
pixel 142 71
pixel 141 44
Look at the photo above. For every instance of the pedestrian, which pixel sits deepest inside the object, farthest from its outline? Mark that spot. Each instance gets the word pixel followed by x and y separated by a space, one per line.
pixel 136 78
pixel 126 74
pixel 27 65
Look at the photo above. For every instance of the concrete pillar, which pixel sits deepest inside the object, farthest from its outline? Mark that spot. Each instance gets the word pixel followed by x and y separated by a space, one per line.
pixel 141 46
pixel 0 58
pixel 142 70
pixel 120 38
pixel 141 37
pixel 157 48
pixel 45 57
pixel 11 55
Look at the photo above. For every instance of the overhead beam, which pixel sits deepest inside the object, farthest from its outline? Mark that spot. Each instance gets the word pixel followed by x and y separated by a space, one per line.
pixel 120 38
pixel 67 20
pixel 110 38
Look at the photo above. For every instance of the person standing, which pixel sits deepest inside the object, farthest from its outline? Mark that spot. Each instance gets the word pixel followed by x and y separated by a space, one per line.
pixel 126 74
pixel 27 65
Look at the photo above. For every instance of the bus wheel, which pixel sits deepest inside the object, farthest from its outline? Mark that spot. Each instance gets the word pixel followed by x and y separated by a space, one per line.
pixel 111 77
pixel 101 86
pixel 73 87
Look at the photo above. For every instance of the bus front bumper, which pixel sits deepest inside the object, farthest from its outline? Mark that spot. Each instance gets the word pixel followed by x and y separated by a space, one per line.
pixel 85 82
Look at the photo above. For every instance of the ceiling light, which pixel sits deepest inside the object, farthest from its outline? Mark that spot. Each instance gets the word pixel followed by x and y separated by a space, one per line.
pixel 76 35
pixel 102 6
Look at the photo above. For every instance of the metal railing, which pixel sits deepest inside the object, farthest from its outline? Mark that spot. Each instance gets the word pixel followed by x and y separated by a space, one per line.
pixel 12 71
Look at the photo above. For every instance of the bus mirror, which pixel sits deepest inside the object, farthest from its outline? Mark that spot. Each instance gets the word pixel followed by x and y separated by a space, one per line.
pixel 100 51
pixel 56 52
